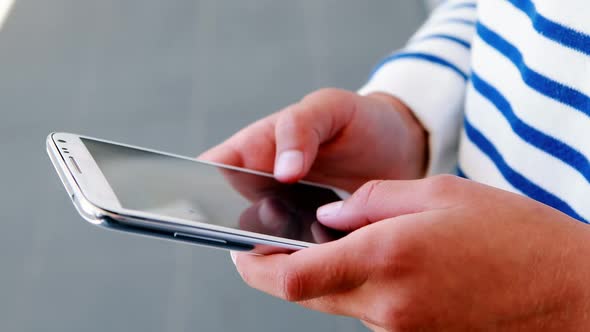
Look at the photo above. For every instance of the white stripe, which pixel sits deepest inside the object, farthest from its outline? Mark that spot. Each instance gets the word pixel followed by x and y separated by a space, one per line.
pixel 460 31
pixel 438 22
pixel 5 7
pixel 541 168
pixel 560 63
pixel 447 11
pixel 478 167
pixel 450 3
pixel 541 112
pixel 573 13
pixel 444 14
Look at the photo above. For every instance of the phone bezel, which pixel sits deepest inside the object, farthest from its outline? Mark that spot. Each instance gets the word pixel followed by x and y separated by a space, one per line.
pixel 96 201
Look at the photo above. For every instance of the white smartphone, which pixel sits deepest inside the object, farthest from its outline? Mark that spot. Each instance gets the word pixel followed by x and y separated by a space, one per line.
pixel 146 192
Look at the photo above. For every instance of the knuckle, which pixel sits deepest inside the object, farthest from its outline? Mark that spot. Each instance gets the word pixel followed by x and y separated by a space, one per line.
pixel 366 193
pixel 402 254
pixel 290 286
pixel 403 257
pixel 441 186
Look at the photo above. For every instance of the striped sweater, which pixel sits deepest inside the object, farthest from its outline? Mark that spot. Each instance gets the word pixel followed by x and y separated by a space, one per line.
pixel 503 88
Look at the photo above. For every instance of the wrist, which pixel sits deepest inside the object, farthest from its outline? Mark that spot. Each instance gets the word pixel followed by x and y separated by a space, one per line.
pixel 418 151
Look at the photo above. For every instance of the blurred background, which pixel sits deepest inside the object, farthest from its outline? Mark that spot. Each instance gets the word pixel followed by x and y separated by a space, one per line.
pixel 174 75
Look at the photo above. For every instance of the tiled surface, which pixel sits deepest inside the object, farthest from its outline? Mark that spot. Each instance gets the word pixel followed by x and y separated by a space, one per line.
pixel 177 75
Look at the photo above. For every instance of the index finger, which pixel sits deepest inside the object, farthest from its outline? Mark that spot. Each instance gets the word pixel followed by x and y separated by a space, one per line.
pixel 252 147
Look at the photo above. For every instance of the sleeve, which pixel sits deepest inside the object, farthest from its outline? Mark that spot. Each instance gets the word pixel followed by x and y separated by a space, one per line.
pixel 430 76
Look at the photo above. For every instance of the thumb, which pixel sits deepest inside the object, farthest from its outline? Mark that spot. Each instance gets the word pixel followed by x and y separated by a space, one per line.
pixel 378 200
pixel 310 273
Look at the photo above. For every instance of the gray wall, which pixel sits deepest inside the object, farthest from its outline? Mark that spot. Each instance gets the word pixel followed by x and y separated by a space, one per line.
pixel 177 75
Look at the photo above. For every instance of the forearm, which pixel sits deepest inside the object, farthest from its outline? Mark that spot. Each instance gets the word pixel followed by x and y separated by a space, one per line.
pixel 430 76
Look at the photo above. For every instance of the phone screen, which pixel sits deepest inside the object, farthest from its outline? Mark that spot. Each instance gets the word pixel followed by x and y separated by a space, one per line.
pixel 170 186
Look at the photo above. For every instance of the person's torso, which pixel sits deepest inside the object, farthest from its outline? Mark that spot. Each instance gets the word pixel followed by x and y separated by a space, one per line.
pixel 527 122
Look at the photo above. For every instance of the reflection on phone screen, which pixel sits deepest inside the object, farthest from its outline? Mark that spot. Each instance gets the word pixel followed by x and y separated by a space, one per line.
pixel 170 186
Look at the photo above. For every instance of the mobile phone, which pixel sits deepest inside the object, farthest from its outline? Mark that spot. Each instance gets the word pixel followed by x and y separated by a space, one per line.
pixel 147 192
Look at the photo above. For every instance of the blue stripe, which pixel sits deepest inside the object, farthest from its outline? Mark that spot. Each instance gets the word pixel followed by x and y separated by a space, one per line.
pixel 459 21
pixel 516 179
pixel 460 173
pixel 542 84
pixel 463 5
pixel 454 39
pixel 535 137
pixel 420 56
pixel 454 5
pixel 557 32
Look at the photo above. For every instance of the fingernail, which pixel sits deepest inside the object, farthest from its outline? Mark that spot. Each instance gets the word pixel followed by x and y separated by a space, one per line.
pixel 330 210
pixel 233 256
pixel 289 164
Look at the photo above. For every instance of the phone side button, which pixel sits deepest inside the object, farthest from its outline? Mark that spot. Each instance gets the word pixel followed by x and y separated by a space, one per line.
pixel 212 242
pixel 198 237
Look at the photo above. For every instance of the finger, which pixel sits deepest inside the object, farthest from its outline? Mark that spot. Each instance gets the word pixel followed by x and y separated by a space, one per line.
pixel 379 200
pixel 309 273
pixel 252 147
pixel 223 154
pixel 302 127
